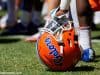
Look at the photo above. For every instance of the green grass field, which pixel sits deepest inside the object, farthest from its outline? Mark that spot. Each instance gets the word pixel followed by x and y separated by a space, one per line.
pixel 18 57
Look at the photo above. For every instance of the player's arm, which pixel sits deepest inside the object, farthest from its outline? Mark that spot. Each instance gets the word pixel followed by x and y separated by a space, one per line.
pixel 64 7
pixel 64 4
pixel 52 4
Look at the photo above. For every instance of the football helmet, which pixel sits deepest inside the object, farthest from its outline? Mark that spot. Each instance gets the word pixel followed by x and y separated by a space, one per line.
pixel 60 51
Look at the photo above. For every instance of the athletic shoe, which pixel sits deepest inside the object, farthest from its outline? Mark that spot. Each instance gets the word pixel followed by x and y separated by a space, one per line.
pixel 88 55
pixel 20 29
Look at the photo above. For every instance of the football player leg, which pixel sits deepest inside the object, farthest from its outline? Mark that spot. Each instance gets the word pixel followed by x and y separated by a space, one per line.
pixel 84 16
pixel 10 18
pixel 26 12
pixel 26 18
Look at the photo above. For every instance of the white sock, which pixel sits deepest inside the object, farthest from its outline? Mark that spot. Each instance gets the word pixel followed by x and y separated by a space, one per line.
pixel 84 38
pixel 26 17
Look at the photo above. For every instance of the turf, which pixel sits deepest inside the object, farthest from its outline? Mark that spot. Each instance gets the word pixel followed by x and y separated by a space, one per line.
pixel 17 56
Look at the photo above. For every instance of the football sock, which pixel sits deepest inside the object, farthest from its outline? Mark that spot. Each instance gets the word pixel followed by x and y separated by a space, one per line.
pixel 36 18
pixel 25 17
pixel 84 38
pixel 11 12
pixel 26 13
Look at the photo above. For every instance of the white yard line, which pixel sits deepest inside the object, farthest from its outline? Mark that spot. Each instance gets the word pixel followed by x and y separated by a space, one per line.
pixel 96 41
pixel 14 37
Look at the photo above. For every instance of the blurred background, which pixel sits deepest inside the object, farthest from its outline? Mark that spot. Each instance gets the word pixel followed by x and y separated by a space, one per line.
pixel 20 19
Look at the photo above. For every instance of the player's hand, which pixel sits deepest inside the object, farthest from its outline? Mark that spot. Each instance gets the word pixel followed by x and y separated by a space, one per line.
pixel 60 12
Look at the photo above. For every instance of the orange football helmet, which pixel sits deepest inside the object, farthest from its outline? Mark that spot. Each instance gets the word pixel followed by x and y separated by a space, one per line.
pixel 59 51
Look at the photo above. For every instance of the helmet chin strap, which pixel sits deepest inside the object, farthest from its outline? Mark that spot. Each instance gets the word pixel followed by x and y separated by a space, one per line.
pixel 61 46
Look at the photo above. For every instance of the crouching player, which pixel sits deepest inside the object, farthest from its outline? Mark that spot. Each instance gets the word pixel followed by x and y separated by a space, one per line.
pixel 81 13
